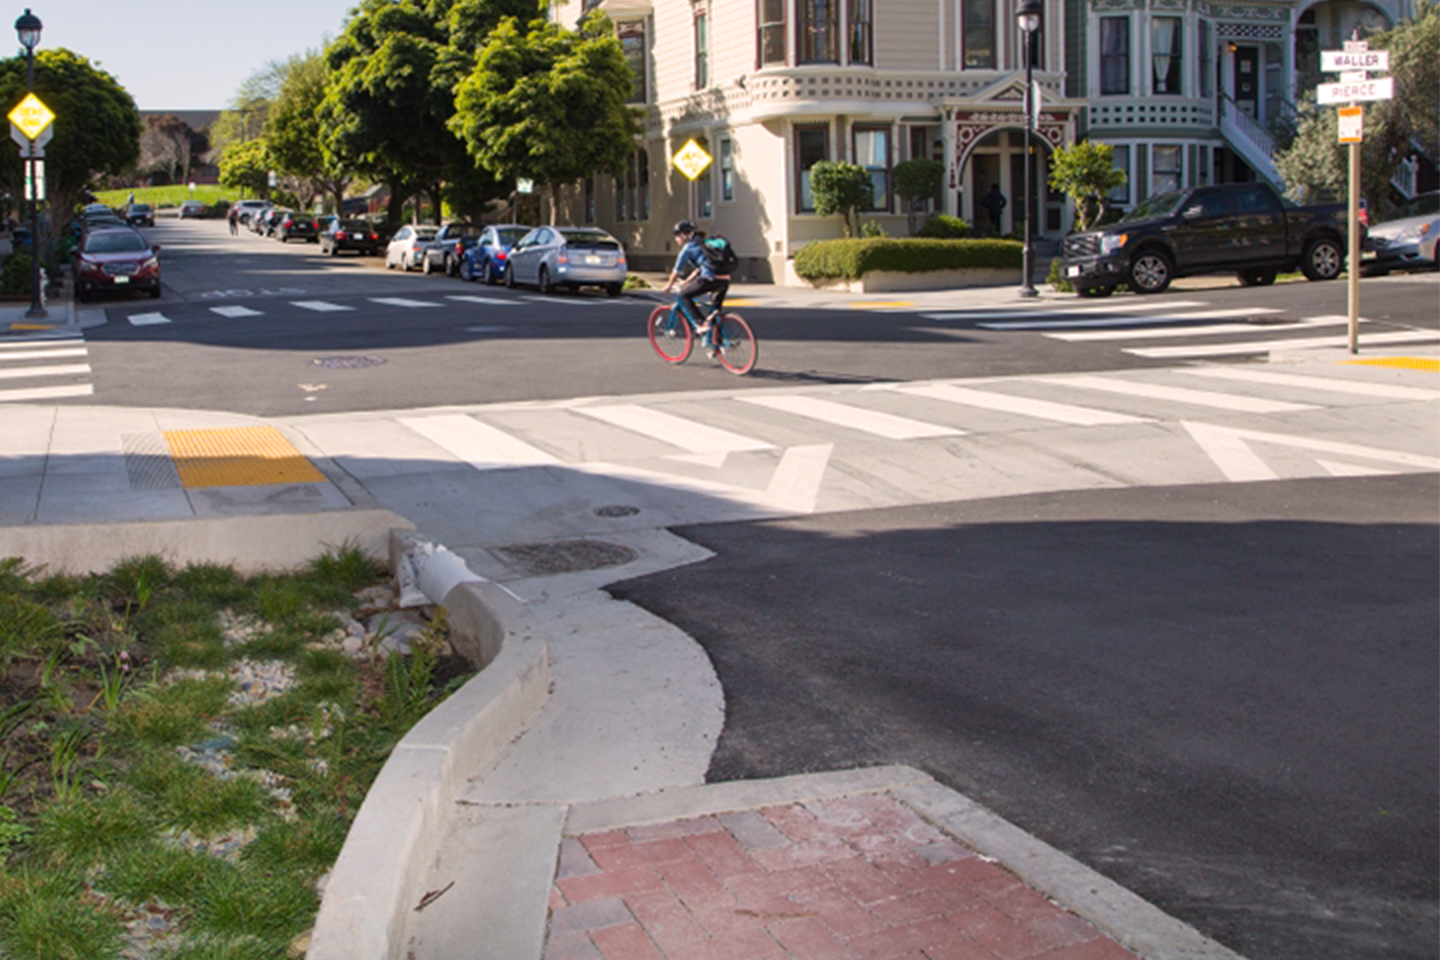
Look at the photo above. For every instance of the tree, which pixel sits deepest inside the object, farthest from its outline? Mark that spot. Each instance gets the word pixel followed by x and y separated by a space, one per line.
pixel 549 104
pixel 1086 173
pixel 841 188
pixel 244 119
pixel 246 166
pixel 97 128
pixel 916 180
pixel 1317 163
pixel 166 146
pixel 293 132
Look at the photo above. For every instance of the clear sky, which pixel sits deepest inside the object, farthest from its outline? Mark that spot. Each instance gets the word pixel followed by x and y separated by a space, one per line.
pixel 183 54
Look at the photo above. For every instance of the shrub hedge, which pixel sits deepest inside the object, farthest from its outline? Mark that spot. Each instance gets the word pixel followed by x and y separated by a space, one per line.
pixel 942 226
pixel 852 259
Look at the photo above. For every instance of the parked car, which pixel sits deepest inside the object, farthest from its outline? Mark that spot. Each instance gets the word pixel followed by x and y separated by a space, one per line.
pixel 270 220
pixel 292 225
pixel 1245 228
pixel 192 210
pixel 350 235
pixel 1397 243
pixel 486 259
pixel 408 246
pixel 140 215
pixel 449 245
pixel 572 257
pixel 246 209
pixel 114 260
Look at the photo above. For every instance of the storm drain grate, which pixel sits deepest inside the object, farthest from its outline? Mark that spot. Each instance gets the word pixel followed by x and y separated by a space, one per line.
pixel 148 462
pixel 616 510
pixel 347 363
pixel 567 556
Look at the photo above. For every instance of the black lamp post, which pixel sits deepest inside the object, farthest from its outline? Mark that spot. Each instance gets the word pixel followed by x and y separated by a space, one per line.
pixel 1029 15
pixel 28 29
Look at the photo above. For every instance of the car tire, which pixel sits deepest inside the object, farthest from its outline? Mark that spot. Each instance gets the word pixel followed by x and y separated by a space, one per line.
pixel 510 276
pixel 1258 277
pixel 155 294
pixel 1323 259
pixel 542 281
pixel 613 289
pixel 427 266
pixel 1104 290
pixel 491 277
pixel 1151 271
pixel 467 273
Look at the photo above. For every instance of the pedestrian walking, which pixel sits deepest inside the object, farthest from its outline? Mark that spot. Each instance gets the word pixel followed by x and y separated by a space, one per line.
pixel 233 216
pixel 994 203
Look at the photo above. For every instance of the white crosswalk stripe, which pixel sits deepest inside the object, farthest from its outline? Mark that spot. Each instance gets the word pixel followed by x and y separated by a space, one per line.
pixel 53 353
pixel 236 312
pixel 466 298
pixel 1199 398
pixel 676 431
pixel 1061 310
pixel 482 446
pixel 1025 406
pixel 873 422
pixel 405 302
pixel 320 306
pixel 147 319
pixel 1387 391
pixel 54 370
pixel 46 393
pixel 27 352
pixel 1266 346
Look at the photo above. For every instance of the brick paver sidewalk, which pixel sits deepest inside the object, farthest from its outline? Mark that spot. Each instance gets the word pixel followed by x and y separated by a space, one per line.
pixel 861 878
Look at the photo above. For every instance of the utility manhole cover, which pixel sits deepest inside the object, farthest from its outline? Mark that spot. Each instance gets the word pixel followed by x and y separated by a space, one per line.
pixel 567 556
pixel 347 363
pixel 616 510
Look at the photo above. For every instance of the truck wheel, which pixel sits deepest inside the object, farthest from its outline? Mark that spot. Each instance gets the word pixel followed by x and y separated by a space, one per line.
pixel 1256 278
pixel 1104 290
pixel 1323 259
pixel 1151 271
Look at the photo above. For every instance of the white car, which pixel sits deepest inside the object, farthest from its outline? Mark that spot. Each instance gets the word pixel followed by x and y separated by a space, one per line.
pixel 1406 239
pixel 408 246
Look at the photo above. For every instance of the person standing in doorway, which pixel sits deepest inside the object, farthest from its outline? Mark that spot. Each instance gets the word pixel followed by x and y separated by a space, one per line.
pixel 994 203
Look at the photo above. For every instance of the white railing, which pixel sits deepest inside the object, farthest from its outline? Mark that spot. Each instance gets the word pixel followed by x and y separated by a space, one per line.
pixel 1251 140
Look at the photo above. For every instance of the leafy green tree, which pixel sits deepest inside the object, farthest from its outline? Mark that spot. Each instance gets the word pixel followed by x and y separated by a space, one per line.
pixel 548 104
pixel 97 128
pixel 293 132
pixel 246 166
pixel 244 118
pixel 1318 164
pixel 841 188
pixel 1086 173
pixel 916 180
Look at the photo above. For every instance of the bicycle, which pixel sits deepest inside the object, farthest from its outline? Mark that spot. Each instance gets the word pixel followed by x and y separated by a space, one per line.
pixel 673 332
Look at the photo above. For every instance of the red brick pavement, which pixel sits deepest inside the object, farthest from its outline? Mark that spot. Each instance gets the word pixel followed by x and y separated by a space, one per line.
pixel 858 878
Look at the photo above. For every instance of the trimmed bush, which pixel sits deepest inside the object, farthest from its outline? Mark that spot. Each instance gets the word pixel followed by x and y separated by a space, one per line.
pixel 852 259
pixel 15 274
pixel 942 226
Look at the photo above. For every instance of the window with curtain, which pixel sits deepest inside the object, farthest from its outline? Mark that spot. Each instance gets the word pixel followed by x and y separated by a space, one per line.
pixel 702 46
pixel 861 32
pixel 818 26
pixel 812 144
pixel 727 169
pixel 771 42
pixel 1165 47
pixel 872 151
pixel 1120 160
pixel 978 35
pixel 1114 55
pixel 1164 169
pixel 631 35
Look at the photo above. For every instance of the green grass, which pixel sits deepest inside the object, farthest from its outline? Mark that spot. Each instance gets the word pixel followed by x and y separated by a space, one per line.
pixel 170 196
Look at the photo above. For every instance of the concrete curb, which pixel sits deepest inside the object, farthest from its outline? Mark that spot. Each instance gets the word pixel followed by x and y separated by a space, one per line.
pixel 252 544
pixel 406 813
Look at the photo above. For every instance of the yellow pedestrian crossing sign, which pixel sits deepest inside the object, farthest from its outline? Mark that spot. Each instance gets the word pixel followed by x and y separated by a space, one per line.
pixel 31 116
pixel 691 159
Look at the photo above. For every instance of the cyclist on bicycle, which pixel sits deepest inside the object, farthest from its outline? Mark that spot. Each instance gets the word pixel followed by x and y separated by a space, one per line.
pixel 699 277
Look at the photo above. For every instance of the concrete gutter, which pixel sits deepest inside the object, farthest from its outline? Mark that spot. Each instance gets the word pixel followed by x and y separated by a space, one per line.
pixel 376 882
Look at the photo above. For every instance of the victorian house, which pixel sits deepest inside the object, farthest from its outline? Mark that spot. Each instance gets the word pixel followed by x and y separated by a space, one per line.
pixel 1187 91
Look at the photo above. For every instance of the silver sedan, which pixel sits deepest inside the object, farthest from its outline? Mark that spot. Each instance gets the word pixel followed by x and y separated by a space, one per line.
pixel 572 257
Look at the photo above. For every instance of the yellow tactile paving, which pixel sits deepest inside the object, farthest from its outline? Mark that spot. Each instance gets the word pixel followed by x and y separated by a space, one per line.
pixel 32 326
pixel 238 457
pixel 1404 363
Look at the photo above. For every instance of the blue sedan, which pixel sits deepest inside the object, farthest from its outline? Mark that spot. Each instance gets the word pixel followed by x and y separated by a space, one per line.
pixel 487 258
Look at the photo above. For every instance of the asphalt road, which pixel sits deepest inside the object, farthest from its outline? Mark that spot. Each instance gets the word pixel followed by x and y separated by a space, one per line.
pixel 1223 697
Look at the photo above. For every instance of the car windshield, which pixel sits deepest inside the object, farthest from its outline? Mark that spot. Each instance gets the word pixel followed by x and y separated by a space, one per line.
pixel 360 225
pixel 465 230
pixel 1156 206
pixel 116 242
pixel 511 236
pixel 426 233
pixel 139 208
pixel 594 239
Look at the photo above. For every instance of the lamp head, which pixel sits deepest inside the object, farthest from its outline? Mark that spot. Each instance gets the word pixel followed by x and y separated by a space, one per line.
pixel 1030 14
pixel 28 29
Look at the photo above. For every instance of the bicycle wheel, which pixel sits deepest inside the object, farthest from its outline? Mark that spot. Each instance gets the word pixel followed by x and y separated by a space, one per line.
pixel 670 335
pixel 735 347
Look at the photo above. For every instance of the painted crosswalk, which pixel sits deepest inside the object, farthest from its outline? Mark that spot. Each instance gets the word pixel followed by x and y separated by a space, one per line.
pixel 26 377
pixel 321 306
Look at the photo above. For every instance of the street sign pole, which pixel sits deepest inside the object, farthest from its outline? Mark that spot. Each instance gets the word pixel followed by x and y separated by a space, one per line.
pixel 1353 234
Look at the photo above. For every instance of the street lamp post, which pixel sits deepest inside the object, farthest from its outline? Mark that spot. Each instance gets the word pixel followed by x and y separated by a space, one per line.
pixel 1029 16
pixel 28 29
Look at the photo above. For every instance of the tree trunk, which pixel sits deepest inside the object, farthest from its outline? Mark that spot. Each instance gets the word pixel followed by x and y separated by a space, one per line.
pixel 436 203
pixel 395 206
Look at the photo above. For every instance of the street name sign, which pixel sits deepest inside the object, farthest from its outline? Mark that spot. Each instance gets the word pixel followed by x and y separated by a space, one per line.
pixel 31 116
pixel 691 159
pixel 1334 61
pixel 1382 88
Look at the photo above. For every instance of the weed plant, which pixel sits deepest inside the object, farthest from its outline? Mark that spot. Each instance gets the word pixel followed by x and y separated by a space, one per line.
pixel 136 776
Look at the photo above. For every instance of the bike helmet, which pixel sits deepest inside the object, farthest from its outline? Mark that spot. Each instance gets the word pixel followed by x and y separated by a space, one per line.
pixel 685 226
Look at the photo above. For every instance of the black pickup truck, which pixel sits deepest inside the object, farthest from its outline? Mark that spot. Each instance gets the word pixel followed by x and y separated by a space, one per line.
pixel 1245 228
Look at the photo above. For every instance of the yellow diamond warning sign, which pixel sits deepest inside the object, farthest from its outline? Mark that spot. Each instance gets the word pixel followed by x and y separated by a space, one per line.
pixel 691 159
pixel 31 116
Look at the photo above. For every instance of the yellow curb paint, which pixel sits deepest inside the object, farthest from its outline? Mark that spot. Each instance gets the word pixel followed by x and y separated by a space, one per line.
pixel 879 304
pixel 1404 363
pixel 238 457
pixel 742 302
pixel 32 326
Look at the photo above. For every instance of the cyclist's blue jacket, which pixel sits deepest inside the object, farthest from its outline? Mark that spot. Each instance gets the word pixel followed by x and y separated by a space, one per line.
pixel 692 257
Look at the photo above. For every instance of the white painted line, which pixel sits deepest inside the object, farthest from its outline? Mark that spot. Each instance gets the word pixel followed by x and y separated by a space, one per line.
pixel 1351 469
pixel 1230 450
pixel 676 431
pixel 1005 403
pixel 478 444
pixel 44 354
pixel 58 370
pixel 1199 398
pixel 40 344
pixel 1358 387
pixel 470 299
pixel 867 421
pixel 1157 320
pixel 1265 346
pixel 1065 311
pixel 1177 327
pixel 403 302
pixel 236 312
pixel 147 319
pixel 795 485
pixel 568 301
pixel 319 306
pixel 46 393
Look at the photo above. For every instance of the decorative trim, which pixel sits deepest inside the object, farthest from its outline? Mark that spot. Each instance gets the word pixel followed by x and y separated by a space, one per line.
pixel 1249 31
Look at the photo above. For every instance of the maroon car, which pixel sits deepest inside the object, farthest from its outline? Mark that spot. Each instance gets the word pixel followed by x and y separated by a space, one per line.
pixel 110 260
